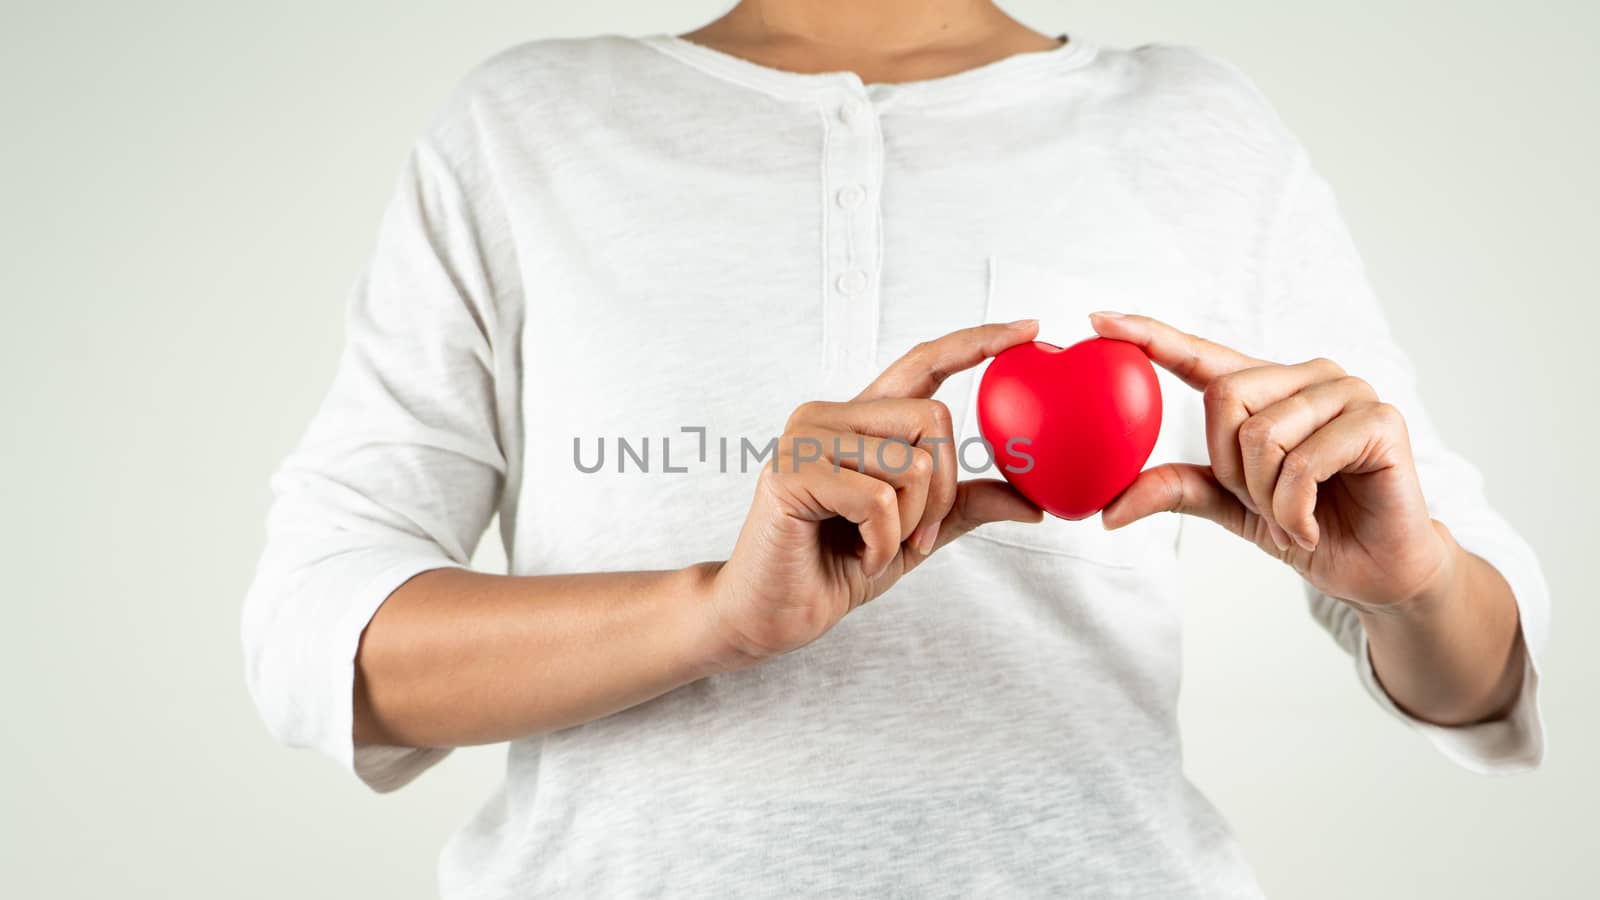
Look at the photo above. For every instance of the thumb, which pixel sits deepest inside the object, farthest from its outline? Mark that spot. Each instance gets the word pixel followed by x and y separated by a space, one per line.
pixel 985 500
pixel 1176 487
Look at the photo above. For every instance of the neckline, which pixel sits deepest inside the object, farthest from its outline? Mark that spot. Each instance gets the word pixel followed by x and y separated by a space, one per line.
pixel 1072 52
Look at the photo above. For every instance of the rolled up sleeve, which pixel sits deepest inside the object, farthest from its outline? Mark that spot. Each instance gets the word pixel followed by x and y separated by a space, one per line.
pixel 1318 302
pixel 399 472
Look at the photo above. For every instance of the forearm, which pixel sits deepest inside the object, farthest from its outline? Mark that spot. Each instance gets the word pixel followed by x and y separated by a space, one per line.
pixel 1454 655
pixel 455 657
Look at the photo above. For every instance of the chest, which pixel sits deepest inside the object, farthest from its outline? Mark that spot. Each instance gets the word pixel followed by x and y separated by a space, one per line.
pixel 678 308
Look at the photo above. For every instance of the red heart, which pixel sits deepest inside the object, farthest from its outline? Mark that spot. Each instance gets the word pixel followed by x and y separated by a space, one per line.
pixel 1084 420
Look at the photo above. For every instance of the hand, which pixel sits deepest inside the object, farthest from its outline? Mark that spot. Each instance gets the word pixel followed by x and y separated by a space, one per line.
pixel 862 492
pixel 1306 462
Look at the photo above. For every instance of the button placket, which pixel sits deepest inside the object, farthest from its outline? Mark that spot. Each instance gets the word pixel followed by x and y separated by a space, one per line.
pixel 851 164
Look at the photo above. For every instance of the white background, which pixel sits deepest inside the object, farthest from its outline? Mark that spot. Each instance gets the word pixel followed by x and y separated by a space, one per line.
pixel 187 190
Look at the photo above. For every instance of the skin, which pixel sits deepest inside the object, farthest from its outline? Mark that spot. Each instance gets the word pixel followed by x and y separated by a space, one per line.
pixel 455 657
pixel 1308 463
pixel 881 40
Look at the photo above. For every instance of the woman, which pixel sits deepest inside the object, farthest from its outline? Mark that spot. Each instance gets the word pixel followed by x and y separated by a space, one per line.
pixel 616 268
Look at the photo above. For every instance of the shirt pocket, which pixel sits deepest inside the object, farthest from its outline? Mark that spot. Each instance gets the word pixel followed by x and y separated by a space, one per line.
pixel 1061 297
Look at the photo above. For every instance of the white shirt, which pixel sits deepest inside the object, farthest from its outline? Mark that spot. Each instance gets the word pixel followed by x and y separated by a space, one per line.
pixel 625 238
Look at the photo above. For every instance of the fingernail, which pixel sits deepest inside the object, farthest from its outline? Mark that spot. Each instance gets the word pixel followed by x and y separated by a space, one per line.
pixel 1022 324
pixel 1280 538
pixel 1106 313
pixel 1305 543
pixel 927 533
pixel 1250 505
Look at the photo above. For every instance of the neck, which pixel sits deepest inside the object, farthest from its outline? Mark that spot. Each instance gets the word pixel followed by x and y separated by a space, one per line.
pixel 882 40
pixel 886 27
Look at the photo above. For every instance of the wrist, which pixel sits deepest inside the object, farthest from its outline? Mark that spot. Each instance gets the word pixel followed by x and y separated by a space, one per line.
pixel 1437 594
pixel 1448 583
pixel 1450 652
pixel 707 649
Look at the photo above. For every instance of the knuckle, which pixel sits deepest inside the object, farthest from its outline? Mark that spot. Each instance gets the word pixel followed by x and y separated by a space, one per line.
pixel 939 415
pixel 921 464
pixel 884 500
pixel 1324 364
pixel 1389 416
pixel 805 412
pixel 1356 385
pixel 770 480
pixel 1191 354
pixel 1257 431
pixel 1172 487
pixel 1221 393
pixel 1296 465
pixel 793 441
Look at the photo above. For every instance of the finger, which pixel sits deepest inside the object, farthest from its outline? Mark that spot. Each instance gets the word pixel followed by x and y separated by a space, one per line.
pixel 943 486
pixel 1176 487
pixel 907 468
pixel 909 418
pixel 981 501
pixel 1193 490
pixel 1194 359
pixel 920 372
pixel 926 423
pixel 1360 441
pixel 1280 538
pixel 1232 399
pixel 1266 437
pixel 871 504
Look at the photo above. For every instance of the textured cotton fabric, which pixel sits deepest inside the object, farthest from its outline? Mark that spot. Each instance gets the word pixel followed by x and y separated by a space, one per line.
pixel 623 237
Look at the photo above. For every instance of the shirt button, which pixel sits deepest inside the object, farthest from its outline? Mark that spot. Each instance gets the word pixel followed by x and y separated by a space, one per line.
pixel 851 195
pixel 852 282
pixel 851 110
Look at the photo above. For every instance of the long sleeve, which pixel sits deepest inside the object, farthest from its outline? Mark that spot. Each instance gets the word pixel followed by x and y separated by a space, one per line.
pixel 399 472
pixel 1318 302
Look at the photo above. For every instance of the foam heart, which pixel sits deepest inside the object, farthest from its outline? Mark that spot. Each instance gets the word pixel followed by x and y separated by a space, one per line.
pixel 1070 427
